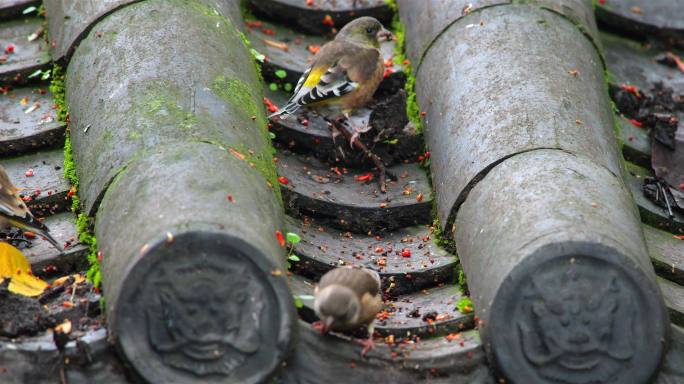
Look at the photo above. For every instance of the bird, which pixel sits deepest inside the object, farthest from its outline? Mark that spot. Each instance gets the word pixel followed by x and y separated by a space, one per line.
pixel 15 213
pixel 347 298
pixel 343 76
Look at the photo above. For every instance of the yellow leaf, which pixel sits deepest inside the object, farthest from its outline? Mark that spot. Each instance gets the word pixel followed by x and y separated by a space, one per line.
pixel 15 266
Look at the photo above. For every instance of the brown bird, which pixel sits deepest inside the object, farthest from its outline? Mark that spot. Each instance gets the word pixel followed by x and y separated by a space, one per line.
pixel 343 76
pixel 14 212
pixel 347 298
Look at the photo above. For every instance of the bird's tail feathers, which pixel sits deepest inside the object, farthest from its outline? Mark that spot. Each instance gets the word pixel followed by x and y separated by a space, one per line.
pixel 29 223
pixel 284 112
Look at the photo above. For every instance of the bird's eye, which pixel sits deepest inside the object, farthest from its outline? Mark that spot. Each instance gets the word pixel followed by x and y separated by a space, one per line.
pixel 370 30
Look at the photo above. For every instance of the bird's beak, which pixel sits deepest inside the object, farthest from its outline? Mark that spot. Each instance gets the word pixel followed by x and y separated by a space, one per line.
pixel 384 35
pixel 327 323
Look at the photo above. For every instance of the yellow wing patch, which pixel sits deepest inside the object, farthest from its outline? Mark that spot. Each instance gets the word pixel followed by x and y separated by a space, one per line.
pixel 314 77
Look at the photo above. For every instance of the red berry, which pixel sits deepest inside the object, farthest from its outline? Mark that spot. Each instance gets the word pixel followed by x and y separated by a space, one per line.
pixel 406 252
pixel 9 48
pixel 283 180
pixel 281 239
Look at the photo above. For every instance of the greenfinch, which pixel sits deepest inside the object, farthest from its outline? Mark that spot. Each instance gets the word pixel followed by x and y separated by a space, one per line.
pixel 14 212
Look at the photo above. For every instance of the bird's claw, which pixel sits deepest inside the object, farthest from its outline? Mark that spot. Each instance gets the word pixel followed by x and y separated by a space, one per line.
pixel 317 325
pixel 367 344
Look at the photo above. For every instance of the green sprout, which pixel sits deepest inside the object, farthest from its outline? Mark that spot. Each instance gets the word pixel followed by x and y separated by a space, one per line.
pixel 464 305
pixel 292 239
pixel 281 74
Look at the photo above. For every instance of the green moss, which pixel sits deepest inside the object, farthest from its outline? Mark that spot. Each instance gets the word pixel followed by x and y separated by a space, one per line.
pixel 57 88
pixel 239 94
pixel 83 227
pixel 465 305
pixel 412 108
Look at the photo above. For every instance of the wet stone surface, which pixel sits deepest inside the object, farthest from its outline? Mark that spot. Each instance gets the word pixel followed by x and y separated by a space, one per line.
pixel 349 199
pixel 26 57
pixel 640 18
pixel 15 8
pixel 634 63
pixel 46 260
pixel 28 120
pixel 667 253
pixel 407 259
pixel 430 312
pixel 40 175
pixel 673 294
pixel 321 16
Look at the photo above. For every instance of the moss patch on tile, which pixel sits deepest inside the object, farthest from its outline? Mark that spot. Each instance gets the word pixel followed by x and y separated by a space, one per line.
pixel 83 222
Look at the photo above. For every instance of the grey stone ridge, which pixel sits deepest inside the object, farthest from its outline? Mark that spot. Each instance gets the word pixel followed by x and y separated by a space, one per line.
pixel 194 279
pixel 528 180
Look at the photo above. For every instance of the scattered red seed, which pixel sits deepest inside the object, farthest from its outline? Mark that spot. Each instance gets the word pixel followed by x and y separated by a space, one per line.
pixel 427 154
pixel 631 89
pixel 283 180
pixel 254 24
pixel 67 304
pixel 328 20
pixel 406 252
pixel 29 173
pixel 379 249
pixel 636 123
pixel 337 171
pixel 383 315
pixel 678 61
pixel 423 113
pixel 452 336
pixel 281 239
pixel 314 48
pixel 419 197
pixel 99 256
pixel 272 108
pixel 268 31
pixel 365 177
pixel 230 198
pixel 9 49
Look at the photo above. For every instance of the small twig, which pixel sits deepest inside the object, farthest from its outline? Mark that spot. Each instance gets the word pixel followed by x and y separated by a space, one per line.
pixel 377 161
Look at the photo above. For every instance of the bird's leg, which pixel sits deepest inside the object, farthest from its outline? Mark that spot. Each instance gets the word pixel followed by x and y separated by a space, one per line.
pixel 368 343
pixel 317 325
pixel 377 161
pixel 356 131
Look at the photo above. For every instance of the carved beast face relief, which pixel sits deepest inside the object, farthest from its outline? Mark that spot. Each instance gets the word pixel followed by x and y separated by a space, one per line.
pixel 576 325
pixel 206 326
